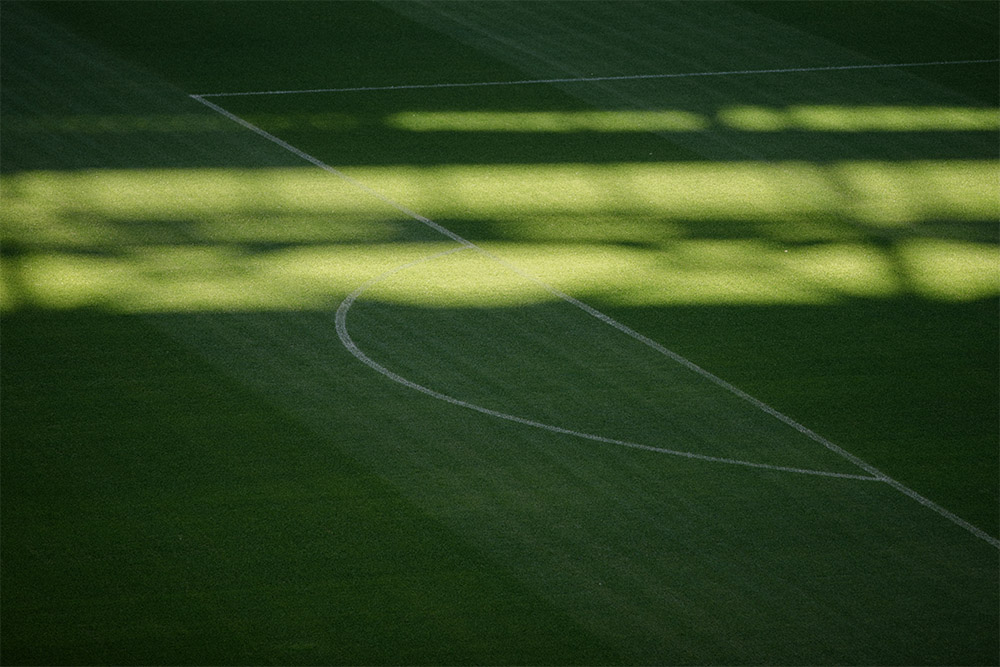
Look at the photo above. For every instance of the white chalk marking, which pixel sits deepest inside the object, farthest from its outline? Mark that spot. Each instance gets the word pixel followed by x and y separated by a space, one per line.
pixel 592 79
pixel 345 338
pixel 871 470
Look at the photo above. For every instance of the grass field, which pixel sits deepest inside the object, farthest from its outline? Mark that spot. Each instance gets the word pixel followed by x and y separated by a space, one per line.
pixel 500 333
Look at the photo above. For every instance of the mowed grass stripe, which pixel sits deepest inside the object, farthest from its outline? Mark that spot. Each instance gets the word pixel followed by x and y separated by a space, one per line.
pixel 191 521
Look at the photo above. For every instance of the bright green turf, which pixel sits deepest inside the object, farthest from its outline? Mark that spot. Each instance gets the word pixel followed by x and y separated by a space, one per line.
pixel 195 470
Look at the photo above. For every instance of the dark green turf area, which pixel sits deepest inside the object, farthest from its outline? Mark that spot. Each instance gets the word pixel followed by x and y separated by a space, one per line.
pixel 901 32
pixel 177 518
pixel 304 45
pixel 219 481
pixel 907 417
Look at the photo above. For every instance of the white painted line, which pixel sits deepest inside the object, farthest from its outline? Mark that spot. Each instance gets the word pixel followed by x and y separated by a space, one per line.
pixel 871 470
pixel 592 79
pixel 336 172
pixel 345 338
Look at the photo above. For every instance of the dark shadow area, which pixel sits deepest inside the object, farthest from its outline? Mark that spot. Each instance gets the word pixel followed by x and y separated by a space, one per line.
pixel 896 31
pixel 105 121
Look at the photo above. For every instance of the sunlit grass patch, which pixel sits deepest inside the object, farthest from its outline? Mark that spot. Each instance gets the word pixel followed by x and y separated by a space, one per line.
pixel 840 118
pixel 862 192
pixel 950 270
pixel 668 233
pixel 549 121
pixel 883 193
pixel 750 273
pixel 813 118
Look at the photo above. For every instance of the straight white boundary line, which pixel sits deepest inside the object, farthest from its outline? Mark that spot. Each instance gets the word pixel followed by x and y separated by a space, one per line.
pixel 348 342
pixel 593 79
pixel 871 470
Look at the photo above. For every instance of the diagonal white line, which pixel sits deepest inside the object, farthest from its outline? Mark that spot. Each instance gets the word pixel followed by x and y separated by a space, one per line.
pixel 870 469
pixel 592 79
pixel 336 172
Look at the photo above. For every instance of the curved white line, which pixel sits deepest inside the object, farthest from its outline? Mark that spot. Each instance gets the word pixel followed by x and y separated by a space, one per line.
pixel 348 342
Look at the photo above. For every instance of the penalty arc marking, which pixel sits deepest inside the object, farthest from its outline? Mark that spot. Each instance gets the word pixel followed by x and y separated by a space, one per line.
pixel 348 342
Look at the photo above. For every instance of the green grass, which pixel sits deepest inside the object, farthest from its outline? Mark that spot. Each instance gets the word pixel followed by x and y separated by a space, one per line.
pixel 123 547
pixel 195 470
